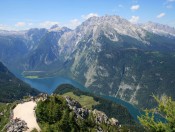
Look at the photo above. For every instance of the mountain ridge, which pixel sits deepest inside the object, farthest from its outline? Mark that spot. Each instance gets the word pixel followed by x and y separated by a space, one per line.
pixel 158 28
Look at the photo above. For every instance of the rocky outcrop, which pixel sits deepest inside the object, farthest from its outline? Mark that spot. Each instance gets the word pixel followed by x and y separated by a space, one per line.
pixel 41 96
pixel 100 117
pixel 16 125
pixel 72 103
pixel 114 121
pixel 77 108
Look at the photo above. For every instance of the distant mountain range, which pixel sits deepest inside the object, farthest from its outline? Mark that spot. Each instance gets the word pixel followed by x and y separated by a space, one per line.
pixel 107 54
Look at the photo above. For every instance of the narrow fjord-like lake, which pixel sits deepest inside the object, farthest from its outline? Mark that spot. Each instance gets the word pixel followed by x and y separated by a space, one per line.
pixel 48 85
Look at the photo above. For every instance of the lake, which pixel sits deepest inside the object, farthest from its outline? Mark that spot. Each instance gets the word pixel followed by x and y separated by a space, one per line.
pixel 48 85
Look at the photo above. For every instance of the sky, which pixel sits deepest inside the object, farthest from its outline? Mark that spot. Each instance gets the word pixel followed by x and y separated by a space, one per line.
pixel 25 14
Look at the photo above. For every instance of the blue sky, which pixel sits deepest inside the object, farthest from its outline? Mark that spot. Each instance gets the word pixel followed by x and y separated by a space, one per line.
pixel 25 14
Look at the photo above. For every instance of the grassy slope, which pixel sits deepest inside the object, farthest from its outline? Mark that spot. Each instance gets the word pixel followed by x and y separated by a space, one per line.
pixel 85 101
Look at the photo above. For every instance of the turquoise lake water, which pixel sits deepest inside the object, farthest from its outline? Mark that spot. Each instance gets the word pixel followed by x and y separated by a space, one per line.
pixel 48 85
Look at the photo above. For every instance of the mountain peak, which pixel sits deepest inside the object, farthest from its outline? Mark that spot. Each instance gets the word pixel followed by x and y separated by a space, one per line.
pixel 54 26
pixel 66 29
pixel 111 26
pixel 103 19
pixel 158 28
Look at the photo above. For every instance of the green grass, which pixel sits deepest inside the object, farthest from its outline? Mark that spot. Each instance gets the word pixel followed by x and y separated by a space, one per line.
pixel 85 101
pixel 31 77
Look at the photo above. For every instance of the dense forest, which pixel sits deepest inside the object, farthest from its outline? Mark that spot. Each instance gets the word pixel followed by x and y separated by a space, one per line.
pixel 54 115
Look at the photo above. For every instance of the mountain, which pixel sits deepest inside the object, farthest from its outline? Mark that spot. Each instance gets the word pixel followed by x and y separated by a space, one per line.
pixel 108 54
pixel 12 48
pixel 111 56
pixel 33 37
pixel 11 87
pixel 116 29
pixel 23 49
pixel 16 45
pixel 47 51
pixel 159 29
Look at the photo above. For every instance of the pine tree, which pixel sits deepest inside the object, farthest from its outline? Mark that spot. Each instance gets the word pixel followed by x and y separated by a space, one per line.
pixel 166 108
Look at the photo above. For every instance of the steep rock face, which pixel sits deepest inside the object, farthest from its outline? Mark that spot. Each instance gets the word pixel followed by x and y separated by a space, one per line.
pixel 12 48
pixel 47 51
pixel 130 74
pixel 111 56
pixel 16 45
pixel 30 49
pixel 33 37
pixel 112 27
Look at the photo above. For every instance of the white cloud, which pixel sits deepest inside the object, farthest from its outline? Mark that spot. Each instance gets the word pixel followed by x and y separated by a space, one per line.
pixel 134 19
pixel 20 24
pixel 89 15
pixel 135 7
pixel 161 15
pixel 47 24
